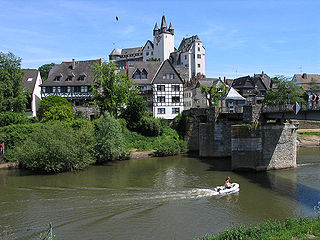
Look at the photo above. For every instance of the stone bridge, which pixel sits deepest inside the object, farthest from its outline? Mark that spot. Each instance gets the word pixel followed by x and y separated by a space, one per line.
pixel 242 136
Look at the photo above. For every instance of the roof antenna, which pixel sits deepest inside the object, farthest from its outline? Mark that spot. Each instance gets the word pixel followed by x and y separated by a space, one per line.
pixel 300 67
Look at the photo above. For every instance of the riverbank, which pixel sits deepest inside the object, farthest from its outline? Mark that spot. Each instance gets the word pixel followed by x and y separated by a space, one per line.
pixel 308 137
pixel 301 228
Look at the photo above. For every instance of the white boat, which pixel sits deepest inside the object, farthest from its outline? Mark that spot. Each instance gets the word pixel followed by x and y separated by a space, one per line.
pixel 221 190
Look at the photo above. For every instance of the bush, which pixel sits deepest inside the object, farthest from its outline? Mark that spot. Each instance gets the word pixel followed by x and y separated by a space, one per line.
pixel 54 147
pixel 55 108
pixel 179 123
pixel 8 118
pixel 109 141
pixel 14 134
pixel 170 146
pixel 150 126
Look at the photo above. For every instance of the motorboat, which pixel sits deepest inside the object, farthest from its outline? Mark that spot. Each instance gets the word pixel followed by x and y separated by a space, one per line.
pixel 221 190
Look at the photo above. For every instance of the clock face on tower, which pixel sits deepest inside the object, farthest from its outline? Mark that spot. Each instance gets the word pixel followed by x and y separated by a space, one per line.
pixel 158 38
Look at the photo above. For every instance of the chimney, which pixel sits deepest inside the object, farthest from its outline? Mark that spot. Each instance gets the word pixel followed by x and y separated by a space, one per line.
pixel 304 76
pixel 262 72
pixel 73 66
pixel 225 80
pixel 100 61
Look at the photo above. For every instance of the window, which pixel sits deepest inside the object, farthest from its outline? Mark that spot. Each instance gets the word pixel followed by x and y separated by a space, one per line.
pixel 63 89
pixel 84 89
pixel 77 89
pixel 137 74
pixel 147 47
pixel 57 79
pixel 152 53
pixel 175 88
pixel 69 78
pixel 160 88
pixel 144 74
pixel 163 76
pixel 43 89
pixel 199 49
pixel 175 110
pixel 30 79
pixel 175 99
pixel 81 77
pixel 168 76
pixel 171 76
pixel 185 57
pixel 161 110
pixel 198 56
pixel 198 65
pixel 161 99
pixel 69 89
pixel 54 89
pixel 147 53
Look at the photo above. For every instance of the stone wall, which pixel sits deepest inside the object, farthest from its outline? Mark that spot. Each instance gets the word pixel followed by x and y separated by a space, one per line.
pixel 89 112
pixel 267 147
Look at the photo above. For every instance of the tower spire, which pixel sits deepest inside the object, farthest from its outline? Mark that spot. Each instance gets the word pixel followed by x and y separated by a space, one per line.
pixel 163 24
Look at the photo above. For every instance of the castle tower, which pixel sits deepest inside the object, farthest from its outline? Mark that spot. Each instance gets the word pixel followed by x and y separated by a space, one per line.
pixel 163 40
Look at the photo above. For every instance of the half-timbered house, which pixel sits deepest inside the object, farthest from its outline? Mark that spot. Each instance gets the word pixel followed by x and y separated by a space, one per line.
pixel 72 80
pixel 160 85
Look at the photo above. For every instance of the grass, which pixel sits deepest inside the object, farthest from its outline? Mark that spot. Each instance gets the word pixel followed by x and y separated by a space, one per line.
pixel 309 133
pixel 301 228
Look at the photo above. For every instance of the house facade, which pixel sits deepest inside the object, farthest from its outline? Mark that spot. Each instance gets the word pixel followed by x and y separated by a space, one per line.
pixel 72 80
pixel 32 81
pixel 309 82
pixel 254 88
pixel 160 85
pixel 189 55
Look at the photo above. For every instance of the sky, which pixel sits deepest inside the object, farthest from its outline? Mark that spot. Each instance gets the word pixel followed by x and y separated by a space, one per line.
pixel 241 37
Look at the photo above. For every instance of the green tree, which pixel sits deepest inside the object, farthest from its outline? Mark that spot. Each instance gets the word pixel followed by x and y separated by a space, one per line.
pixel 285 92
pixel 55 108
pixel 55 148
pixel 135 110
pixel 109 140
pixel 213 93
pixel 12 96
pixel 110 89
pixel 45 69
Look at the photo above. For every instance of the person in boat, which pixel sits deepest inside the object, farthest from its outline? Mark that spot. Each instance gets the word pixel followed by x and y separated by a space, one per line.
pixel 227 184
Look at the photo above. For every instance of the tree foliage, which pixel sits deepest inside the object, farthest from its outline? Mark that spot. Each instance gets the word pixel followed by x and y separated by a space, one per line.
pixel 55 147
pixel 12 96
pixel 55 108
pixel 110 89
pixel 135 110
pixel 213 93
pixel 109 141
pixel 45 69
pixel 286 92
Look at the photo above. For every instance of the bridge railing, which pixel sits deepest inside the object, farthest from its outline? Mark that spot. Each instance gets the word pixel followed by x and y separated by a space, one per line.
pixel 289 107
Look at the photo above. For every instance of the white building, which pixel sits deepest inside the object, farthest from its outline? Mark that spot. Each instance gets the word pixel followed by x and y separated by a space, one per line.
pixel 160 81
pixel 32 81
pixel 190 54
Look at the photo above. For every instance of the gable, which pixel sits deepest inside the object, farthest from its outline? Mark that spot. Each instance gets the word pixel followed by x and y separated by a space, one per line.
pixel 167 75
pixel 148 44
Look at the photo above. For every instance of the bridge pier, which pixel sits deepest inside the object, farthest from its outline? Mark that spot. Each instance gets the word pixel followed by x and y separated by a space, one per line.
pixel 270 146
pixel 251 146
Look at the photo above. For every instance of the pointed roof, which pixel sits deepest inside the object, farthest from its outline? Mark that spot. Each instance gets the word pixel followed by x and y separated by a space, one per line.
pixel 233 95
pixel 170 26
pixel 156 27
pixel 163 22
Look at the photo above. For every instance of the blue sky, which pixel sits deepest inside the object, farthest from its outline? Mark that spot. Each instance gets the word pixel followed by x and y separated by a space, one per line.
pixel 241 37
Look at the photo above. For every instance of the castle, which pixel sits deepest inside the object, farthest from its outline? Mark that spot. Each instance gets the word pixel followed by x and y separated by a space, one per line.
pixel 188 59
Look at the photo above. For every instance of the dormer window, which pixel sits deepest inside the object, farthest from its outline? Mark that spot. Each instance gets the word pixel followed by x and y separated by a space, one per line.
pixel 57 78
pixel 144 74
pixel 69 78
pixel 81 77
pixel 137 74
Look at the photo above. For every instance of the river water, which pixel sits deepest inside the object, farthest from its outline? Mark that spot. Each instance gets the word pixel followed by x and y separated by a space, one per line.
pixel 156 198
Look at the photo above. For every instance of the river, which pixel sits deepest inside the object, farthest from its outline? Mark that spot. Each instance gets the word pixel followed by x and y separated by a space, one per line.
pixel 156 198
